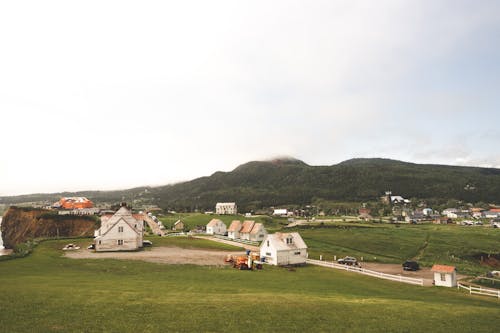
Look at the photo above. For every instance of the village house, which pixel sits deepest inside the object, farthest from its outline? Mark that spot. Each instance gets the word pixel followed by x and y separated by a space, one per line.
pixel 234 230
pixel 445 276
pixel 216 227
pixel 226 208
pixel 284 249
pixel 119 232
pixel 252 231
pixel 178 225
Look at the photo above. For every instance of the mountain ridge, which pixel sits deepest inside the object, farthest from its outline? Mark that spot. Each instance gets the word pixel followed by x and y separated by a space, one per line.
pixel 286 180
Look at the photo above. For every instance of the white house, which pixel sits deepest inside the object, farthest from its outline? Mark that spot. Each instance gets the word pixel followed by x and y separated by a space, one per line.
pixel 284 249
pixel 226 208
pixel 216 227
pixel 252 231
pixel 280 212
pixel 120 232
pixel 234 230
pixel 445 276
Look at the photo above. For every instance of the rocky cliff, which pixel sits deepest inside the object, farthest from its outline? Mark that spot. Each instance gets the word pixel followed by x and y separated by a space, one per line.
pixel 20 224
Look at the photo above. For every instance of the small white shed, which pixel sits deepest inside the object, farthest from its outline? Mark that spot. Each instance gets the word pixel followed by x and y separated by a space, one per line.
pixel 445 276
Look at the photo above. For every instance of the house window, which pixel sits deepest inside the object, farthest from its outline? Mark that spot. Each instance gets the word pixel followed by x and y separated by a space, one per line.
pixel 443 277
pixel 267 243
pixel 120 229
pixel 120 242
pixel 99 242
pixel 297 253
pixel 289 240
pixel 268 254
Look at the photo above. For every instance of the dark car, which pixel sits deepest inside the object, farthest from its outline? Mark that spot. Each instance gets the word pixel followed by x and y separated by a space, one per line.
pixel 411 266
pixel 147 243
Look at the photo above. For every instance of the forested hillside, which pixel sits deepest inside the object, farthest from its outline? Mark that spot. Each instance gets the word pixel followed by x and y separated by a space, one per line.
pixel 288 181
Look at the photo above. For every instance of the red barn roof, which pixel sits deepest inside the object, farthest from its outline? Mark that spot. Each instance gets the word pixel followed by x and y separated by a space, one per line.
pixel 443 269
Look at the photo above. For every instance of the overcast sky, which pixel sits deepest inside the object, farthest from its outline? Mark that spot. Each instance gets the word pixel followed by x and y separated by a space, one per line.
pixel 114 94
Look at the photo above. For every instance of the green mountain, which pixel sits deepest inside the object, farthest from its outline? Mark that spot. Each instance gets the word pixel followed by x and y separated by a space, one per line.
pixel 289 181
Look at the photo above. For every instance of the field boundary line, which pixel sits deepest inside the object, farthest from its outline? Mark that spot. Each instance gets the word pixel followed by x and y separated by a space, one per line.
pixel 397 278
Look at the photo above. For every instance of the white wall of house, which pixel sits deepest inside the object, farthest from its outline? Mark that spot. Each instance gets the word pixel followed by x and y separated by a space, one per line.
pixel 258 233
pixel 445 279
pixel 219 228
pixel 277 252
pixel 121 237
pixel 233 234
pixel 226 208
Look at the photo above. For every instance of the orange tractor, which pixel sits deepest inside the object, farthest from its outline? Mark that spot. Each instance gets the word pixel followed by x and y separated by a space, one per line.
pixel 247 262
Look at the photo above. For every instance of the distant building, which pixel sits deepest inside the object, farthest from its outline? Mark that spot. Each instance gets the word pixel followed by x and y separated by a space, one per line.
pixel 226 208
pixel 280 212
pixel 248 230
pixel 284 249
pixel 178 225
pixel 216 227
pixel 234 230
pixel 445 276
pixel 73 203
pixel 119 232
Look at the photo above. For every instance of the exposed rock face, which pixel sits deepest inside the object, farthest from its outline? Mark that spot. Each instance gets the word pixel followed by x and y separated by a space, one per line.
pixel 19 224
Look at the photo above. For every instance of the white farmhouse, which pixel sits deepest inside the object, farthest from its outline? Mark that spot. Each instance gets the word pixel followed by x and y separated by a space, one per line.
pixel 226 208
pixel 445 276
pixel 234 230
pixel 120 232
pixel 252 231
pixel 284 249
pixel 216 227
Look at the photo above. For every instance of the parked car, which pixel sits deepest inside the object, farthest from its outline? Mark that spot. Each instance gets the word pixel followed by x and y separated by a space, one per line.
pixel 350 261
pixel 411 266
pixel 147 242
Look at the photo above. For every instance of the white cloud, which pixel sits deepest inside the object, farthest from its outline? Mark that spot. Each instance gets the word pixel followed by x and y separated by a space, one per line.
pixel 179 90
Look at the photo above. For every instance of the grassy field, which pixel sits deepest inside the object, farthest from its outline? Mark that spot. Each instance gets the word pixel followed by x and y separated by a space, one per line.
pixel 48 293
pixel 429 244
pixel 191 220
pixel 191 243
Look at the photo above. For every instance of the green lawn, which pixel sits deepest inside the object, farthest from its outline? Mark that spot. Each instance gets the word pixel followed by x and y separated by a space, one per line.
pixel 429 244
pixel 191 220
pixel 191 242
pixel 47 293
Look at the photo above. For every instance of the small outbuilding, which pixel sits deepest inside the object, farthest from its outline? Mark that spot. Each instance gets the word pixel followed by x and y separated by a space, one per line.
pixel 178 225
pixel 216 227
pixel 284 249
pixel 445 276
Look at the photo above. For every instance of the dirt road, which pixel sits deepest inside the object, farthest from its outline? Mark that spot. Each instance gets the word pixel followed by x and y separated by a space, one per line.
pixel 164 255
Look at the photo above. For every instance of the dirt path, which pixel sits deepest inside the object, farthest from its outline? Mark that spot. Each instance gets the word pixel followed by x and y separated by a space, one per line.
pixel 164 255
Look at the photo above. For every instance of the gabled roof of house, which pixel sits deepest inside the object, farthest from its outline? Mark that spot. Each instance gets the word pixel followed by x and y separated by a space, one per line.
pixel 279 241
pixel 214 222
pixel 178 222
pixel 123 214
pixel 235 226
pixel 247 227
pixel 443 268
pixel 256 228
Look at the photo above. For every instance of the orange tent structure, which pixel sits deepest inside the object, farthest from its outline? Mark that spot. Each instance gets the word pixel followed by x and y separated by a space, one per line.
pixel 75 203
